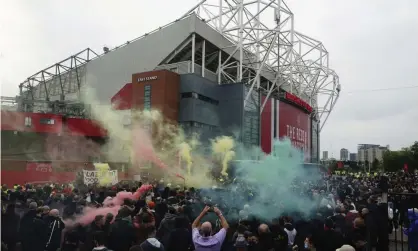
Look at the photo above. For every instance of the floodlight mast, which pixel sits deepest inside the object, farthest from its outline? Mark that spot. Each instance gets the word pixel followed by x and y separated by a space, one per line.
pixel 269 54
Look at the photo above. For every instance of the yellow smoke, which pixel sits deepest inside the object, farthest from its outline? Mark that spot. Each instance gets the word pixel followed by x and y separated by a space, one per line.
pixel 223 148
pixel 186 149
pixel 168 142
pixel 185 154
pixel 103 174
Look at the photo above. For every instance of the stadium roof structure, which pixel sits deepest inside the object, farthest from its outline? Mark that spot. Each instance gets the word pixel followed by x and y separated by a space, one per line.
pixel 228 41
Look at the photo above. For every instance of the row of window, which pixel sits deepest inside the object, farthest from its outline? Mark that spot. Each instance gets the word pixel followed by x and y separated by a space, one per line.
pixel 44 121
pixel 250 129
pixel 200 97
pixel 195 124
pixel 147 97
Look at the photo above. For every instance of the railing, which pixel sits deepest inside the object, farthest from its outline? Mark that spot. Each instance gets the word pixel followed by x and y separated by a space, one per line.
pixel 400 203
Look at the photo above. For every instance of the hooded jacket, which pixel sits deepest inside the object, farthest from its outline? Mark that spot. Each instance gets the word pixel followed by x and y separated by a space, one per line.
pixel 291 233
pixel 412 231
pixel 166 226
pixel 121 235
pixel 152 244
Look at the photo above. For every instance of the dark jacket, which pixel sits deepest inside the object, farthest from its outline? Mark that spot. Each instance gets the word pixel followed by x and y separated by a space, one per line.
pixel 265 242
pixel 357 238
pixel 340 222
pixel 55 227
pixel 280 238
pixel 152 244
pixel 10 227
pixel 179 239
pixel 121 235
pixel 331 240
pixel 166 226
pixel 36 236
pixel 87 236
pixel 26 225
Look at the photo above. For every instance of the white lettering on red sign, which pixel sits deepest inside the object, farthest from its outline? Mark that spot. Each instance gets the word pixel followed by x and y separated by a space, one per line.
pixel 147 78
pixel 299 137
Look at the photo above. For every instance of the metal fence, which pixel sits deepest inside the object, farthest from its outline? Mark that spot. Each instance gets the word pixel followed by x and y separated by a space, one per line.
pixel 400 203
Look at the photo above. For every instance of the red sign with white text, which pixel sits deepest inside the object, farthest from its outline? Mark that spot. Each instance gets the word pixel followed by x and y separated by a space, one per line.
pixel 298 101
pixel 39 171
pixel 295 124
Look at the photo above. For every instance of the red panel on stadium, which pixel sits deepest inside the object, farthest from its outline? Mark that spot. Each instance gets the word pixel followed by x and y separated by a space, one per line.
pixel 266 125
pixel 85 127
pixel 31 122
pixel 288 117
pixel 295 124
pixel 123 98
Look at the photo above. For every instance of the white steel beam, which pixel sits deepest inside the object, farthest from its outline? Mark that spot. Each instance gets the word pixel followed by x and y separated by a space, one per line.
pixel 193 50
pixel 203 57
pixel 271 55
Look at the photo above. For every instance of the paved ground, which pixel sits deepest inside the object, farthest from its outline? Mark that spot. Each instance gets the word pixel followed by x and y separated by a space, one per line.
pixel 397 246
pixel 398 235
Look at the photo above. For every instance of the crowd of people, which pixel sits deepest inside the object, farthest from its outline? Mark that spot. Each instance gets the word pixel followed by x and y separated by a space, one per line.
pixel 348 215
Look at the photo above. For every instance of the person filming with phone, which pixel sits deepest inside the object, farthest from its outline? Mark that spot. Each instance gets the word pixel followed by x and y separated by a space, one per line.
pixel 202 237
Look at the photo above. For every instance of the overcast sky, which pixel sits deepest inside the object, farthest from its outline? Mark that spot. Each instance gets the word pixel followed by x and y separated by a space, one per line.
pixel 373 44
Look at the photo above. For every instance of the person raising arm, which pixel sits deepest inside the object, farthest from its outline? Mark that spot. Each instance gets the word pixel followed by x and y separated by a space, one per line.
pixel 202 238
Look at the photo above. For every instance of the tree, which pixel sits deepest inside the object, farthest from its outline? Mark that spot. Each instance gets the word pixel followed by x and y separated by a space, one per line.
pixel 375 164
pixel 414 155
pixel 332 165
pixel 394 161
pixel 366 165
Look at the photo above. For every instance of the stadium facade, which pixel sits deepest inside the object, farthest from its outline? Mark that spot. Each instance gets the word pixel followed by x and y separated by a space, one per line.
pixel 226 73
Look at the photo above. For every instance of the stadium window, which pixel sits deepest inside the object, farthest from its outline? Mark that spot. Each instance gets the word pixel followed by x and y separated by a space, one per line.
pixel 147 97
pixel 47 121
pixel 186 95
pixel 200 97
pixel 207 99
pixel 28 121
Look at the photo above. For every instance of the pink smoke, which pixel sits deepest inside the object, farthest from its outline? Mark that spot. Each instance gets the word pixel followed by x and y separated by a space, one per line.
pixel 144 150
pixel 111 205
pixel 90 213
pixel 121 196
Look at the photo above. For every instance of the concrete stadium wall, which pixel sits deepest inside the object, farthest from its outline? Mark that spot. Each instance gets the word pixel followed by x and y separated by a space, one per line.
pixel 108 74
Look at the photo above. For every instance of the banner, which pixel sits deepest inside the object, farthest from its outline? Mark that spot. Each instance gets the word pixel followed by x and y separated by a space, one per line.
pixel 92 177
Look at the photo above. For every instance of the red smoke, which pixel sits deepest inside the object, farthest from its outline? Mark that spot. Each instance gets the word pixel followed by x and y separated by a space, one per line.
pixel 112 205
